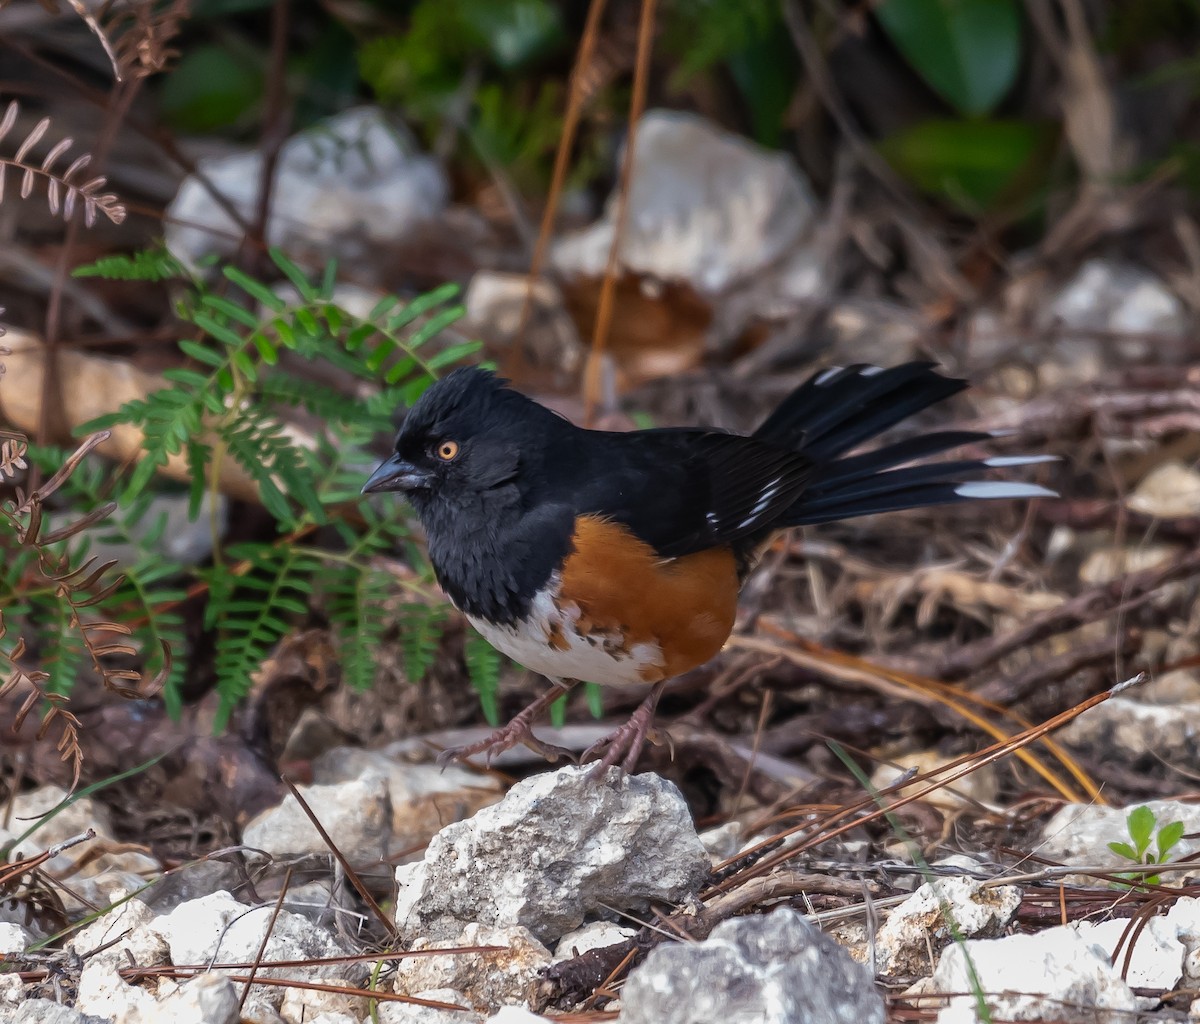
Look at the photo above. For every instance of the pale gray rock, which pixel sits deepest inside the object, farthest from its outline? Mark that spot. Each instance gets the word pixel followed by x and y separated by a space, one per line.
pixel 123 937
pixel 1108 309
pixel 83 859
pixel 1117 297
pixel 1155 951
pixel 774 969
pixel 558 846
pixel 1131 729
pixel 13 938
pixel 922 925
pixel 12 992
pixel 45 1011
pixel 357 816
pixel 219 929
pixel 595 935
pixel 486 981
pixel 407 1013
pixel 342 189
pixel 1055 974
pixel 516 1015
pixel 723 841
pixel 206 999
pixel 424 798
pixel 706 207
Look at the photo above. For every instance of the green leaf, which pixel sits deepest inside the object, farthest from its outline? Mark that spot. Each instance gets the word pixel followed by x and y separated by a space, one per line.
pixel 452 354
pixel 514 32
pixel 236 313
pixel 1140 823
pixel 595 699
pixel 1123 850
pixel 483 668
pixel 970 163
pixel 558 712
pixel 255 289
pixel 201 353
pixel 294 274
pixel 969 51
pixel 245 365
pixel 1168 836
pixel 221 331
pixel 268 352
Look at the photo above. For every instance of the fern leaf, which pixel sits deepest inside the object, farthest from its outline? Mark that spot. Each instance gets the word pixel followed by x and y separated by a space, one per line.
pixel 421 629
pixel 483 668
pixel 356 597
pixel 144 265
pixel 281 579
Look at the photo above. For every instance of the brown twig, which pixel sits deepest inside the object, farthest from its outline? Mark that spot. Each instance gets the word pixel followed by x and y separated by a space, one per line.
pixel 608 286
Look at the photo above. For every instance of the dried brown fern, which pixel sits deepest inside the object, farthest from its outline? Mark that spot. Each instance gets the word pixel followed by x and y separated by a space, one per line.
pixel 79 587
pixel 65 190
pixel 55 713
pixel 142 33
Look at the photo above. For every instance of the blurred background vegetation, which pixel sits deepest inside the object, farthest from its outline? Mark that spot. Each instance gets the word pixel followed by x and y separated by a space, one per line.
pixel 961 97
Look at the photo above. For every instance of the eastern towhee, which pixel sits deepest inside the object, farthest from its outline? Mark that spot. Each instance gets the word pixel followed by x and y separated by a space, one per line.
pixel 611 558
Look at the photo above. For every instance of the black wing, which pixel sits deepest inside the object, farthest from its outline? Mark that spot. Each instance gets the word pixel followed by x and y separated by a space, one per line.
pixel 686 490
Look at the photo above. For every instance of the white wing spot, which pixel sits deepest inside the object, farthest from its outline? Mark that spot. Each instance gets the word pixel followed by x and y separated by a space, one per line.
pixel 870 371
pixel 824 375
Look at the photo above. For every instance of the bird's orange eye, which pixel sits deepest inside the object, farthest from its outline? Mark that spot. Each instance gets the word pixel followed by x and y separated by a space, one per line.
pixel 447 450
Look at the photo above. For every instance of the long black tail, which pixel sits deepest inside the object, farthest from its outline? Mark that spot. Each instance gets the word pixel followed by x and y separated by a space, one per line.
pixel 837 409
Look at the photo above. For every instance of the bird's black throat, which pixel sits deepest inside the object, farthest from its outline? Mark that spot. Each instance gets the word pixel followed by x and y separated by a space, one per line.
pixel 490 554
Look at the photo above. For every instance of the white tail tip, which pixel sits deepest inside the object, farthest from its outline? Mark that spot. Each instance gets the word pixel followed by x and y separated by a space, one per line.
pixel 1019 460
pixel 1002 489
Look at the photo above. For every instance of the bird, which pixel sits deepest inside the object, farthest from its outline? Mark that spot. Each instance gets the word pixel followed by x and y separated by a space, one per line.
pixel 617 558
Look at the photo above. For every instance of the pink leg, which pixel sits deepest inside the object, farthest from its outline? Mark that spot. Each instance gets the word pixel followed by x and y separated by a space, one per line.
pixel 625 743
pixel 519 730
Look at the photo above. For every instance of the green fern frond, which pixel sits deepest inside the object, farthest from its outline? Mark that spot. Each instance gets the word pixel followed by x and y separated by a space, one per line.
pixel 483 668
pixel 421 628
pixel 146 265
pixel 152 590
pixel 355 608
pixel 253 612
pixel 62 649
pixel 277 466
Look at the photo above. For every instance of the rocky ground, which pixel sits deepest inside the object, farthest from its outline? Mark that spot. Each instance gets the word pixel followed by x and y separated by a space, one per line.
pixel 596 895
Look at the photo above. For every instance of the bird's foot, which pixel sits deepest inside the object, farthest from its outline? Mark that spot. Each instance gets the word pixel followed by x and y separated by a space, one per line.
pixel 519 730
pixel 624 744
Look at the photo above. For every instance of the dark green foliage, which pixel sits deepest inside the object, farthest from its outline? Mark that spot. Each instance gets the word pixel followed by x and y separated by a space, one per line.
pixel 746 38
pixel 509 118
pixel 229 405
pixel 969 51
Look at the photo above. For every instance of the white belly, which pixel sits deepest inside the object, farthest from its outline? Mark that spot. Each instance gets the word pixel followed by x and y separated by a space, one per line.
pixel 589 659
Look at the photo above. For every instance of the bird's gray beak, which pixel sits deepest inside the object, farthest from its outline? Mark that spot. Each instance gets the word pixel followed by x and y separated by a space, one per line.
pixel 396 475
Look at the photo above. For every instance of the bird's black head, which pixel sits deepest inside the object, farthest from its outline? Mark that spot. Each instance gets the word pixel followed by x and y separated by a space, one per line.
pixel 467 457
pixel 462 441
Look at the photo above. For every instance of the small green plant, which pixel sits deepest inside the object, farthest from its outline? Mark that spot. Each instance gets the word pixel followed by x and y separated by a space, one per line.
pixel 1141 824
